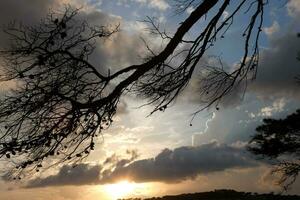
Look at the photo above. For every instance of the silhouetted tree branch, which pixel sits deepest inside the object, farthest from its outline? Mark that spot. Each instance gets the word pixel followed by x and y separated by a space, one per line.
pixel 63 101
pixel 279 140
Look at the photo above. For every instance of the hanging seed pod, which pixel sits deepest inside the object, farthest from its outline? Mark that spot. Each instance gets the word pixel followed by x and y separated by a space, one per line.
pixel 63 35
pixel 51 42
pixel 63 25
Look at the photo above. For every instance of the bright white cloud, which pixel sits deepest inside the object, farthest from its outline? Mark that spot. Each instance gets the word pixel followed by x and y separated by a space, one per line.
pixel 225 14
pixel 274 28
pixel 158 4
pixel 190 9
pixel 293 8
pixel 277 106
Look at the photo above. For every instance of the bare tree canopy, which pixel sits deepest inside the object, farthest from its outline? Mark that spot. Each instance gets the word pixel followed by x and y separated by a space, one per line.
pixel 279 140
pixel 63 101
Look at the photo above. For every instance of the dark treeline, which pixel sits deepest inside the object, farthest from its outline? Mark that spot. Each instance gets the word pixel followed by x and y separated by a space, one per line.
pixel 223 195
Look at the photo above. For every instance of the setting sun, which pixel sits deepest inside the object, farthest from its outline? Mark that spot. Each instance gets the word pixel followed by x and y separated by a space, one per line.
pixel 122 189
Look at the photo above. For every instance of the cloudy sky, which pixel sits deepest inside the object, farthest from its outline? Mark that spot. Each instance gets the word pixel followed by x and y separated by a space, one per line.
pixel 162 154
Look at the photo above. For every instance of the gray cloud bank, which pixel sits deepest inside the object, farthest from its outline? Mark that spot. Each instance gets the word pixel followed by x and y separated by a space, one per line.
pixel 278 68
pixel 121 49
pixel 80 175
pixel 169 166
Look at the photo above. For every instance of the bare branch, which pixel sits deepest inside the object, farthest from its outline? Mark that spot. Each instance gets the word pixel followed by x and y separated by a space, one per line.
pixel 63 101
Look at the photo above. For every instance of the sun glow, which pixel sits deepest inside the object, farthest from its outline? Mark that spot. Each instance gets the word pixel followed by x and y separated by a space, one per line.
pixel 125 189
pixel 122 189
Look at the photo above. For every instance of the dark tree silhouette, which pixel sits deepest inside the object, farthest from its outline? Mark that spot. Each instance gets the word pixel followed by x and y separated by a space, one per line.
pixel 62 101
pixel 279 139
pixel 222 195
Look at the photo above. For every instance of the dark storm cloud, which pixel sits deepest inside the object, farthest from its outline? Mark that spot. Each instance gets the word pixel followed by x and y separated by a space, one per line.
pixel 82 174
pixel 119 50
pixel 196 94
pixel 29 12
pixel 183 163
pixel 278 68
pixel 170 166
pixel 275 81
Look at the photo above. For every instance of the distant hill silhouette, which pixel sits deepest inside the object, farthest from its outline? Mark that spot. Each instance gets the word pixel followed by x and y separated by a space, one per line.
pixel 223 195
